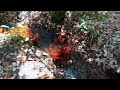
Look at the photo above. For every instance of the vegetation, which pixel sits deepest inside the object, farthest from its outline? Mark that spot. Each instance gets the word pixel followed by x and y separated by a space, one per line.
pixel 75 32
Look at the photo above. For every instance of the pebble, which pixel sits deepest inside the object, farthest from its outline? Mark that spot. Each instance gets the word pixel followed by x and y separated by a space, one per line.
pixel 31 51
pixel 30 59
pixel 14 64
pixel 26 50
pixel 70 74
pixel 38 53
pixel 118 70
pixel 70 62
pixel 14 69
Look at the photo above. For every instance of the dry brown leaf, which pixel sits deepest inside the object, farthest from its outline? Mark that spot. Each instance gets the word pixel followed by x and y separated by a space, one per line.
pixel 19 56
pixel 93 48
pixel 6 63
pixel 2 30
pixel 22 58
pixel 50 65
pixel 7 75
pixel 46 76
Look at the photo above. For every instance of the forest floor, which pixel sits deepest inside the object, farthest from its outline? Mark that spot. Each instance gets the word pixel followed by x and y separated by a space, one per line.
pixel 101 60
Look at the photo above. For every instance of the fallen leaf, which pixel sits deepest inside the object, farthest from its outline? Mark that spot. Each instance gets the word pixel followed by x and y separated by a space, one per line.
pixel 6 63
pixel 50 65
pixel 22 58
pixel 93 48
pixel 54 52
pixel 7 75
pixel 19 56
pixel 1 30
pixel 46 76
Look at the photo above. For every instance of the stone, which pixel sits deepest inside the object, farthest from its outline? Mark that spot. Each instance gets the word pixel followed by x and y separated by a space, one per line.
pixel 35 70
pixel 38 53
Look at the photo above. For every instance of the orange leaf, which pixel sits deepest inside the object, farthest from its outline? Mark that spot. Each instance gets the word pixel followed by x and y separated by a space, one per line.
pixel 1 30
pixel 54 52
pixel 22 31
pixel 67 49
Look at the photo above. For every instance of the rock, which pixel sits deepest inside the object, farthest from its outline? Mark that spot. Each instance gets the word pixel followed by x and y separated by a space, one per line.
pixel 34 70
pixel 70 74
pixel 37 66
pixel 14 69
pixel 4 26
pixel 38 53
pixel 118 70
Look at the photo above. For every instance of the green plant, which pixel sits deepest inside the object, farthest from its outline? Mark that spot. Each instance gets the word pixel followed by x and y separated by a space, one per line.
pixel 16 42
pixel 86 15
pixel 83 25
pixel 93 34
pixel 100 16
pixel 20 40
pixel 89 15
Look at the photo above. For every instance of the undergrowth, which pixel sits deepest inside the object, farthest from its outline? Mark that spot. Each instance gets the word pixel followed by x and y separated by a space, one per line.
pixel 81 19
pixel 84 18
